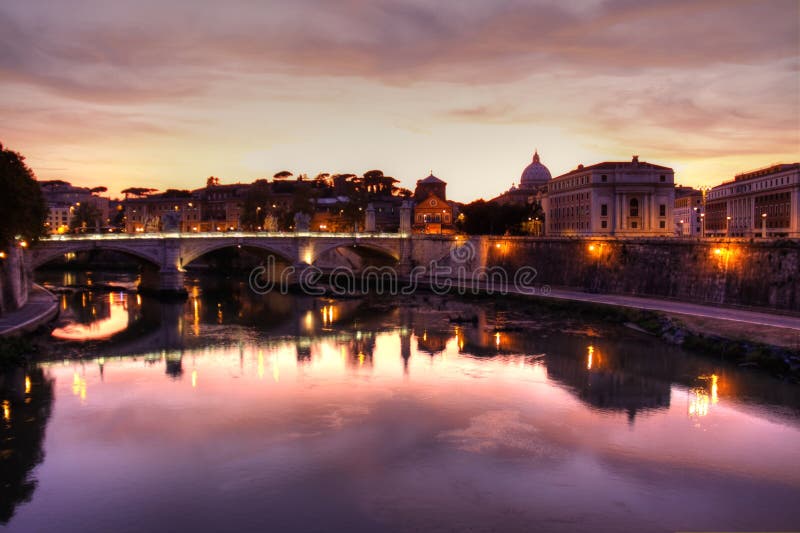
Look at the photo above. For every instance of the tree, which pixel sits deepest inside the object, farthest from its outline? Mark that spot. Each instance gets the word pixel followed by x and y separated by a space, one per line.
pixel 137 191
pixel 257 202
pixel 484 218
pixel 177 193
pixel 85 216
pixel 212 181
pixel 96 190
pixel 282 175
pixel 21 202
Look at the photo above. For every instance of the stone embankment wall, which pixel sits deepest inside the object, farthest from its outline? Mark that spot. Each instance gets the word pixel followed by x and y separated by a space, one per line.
pixel 13 281
pixel 730 272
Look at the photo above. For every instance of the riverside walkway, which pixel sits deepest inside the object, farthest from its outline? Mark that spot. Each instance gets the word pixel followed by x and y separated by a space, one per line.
pixel 747 316
pixel 40 308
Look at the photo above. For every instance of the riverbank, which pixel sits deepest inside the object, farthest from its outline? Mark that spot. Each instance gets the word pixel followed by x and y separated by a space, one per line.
pixel 41 308
pixel 746 337
pixel 743 337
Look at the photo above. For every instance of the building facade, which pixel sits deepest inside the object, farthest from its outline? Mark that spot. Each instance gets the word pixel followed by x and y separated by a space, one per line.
pixel 630 199
pixel 763 202
pixel 62 198
pixel 688 212
pixel 433 214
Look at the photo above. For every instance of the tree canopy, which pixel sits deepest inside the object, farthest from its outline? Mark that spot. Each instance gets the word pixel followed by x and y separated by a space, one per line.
pixel 85 217
pixel 137 191
pixel 484 218
pixel 21 201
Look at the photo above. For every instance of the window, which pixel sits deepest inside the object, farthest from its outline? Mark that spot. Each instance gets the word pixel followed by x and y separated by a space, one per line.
pixel 662 224
pixel 634 225
pixel 662 178
pixel 603 210
pixel 634 208
pixel 604 224
pixel 662 210
pixel 604 178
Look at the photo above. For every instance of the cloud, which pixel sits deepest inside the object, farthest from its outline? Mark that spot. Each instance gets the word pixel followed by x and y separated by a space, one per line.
pixel 405 83
pixel 154 50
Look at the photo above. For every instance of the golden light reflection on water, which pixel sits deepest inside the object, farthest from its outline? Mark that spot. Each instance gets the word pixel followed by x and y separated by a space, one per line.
pixel 115 322
pixel 27 384
pixel 79 386
pixel 701 398
pixel 6 410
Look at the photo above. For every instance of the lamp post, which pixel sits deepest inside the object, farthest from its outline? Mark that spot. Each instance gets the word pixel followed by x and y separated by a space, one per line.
pixel 702 225
pixel 728 226
pixel 763 225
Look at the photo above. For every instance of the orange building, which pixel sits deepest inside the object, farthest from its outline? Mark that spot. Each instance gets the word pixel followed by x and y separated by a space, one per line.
pixel 433 214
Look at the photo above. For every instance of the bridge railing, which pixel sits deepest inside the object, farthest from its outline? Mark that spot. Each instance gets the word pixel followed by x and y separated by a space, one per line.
pixel 219 235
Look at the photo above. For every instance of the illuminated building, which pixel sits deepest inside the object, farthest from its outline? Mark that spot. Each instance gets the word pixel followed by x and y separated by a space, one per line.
pixel 628 199
pixel 688 211
pixel 433 214
pixel 762 201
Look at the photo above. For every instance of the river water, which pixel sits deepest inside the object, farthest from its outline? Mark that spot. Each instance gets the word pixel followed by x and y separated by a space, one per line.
pixel 237 412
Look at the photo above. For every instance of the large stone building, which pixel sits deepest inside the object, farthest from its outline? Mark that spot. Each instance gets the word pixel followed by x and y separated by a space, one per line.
pixel 631 199
pixel 763 202
pixel 433 214
pixel 62 198
pixel 688 212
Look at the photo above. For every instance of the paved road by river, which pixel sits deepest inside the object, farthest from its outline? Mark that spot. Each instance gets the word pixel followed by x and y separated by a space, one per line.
pixel 40 308
pixel 683 308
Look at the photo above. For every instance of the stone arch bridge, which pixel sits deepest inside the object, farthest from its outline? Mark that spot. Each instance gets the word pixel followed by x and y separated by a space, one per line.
pixel 166 254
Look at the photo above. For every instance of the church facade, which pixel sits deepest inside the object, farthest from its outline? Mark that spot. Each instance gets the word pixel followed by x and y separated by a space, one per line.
pixel 433 214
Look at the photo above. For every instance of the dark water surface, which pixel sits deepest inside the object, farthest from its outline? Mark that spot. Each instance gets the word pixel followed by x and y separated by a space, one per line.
pixel 236 412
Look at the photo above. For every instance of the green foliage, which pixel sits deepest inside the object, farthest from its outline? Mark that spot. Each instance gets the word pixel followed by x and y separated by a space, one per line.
pixel 21 202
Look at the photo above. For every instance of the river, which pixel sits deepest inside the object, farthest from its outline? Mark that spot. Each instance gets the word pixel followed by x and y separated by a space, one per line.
pixel 235 411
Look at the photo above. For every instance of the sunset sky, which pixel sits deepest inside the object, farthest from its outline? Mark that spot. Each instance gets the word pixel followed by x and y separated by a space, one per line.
pixel 164 94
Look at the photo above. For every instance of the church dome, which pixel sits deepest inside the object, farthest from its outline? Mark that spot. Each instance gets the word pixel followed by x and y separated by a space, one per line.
pixel 534 175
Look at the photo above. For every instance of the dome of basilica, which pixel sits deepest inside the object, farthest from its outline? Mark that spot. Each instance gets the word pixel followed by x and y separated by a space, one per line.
pixel 535 175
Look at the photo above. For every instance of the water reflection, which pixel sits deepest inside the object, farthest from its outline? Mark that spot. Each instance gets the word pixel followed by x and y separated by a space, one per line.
pixel 368 413
pixel 27 399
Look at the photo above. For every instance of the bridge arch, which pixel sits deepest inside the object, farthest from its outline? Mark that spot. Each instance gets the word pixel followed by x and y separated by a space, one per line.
pixel 41 256
pixel 321 249
pixel 192 253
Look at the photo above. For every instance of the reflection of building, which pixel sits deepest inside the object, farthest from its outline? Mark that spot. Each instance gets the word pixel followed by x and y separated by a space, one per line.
pixel 433 214
pixel 687 212
pixel 432 342
pixel 605 382
pixel 767 199
pixel 614 198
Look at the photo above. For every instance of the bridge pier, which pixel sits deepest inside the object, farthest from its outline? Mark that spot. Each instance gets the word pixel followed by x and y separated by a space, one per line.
pixel 166 281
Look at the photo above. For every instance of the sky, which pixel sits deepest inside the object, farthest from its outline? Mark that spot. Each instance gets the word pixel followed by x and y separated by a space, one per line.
pixel 165 93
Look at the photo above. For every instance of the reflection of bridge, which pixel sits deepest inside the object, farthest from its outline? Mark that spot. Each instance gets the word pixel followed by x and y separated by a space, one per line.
pixel 166 254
